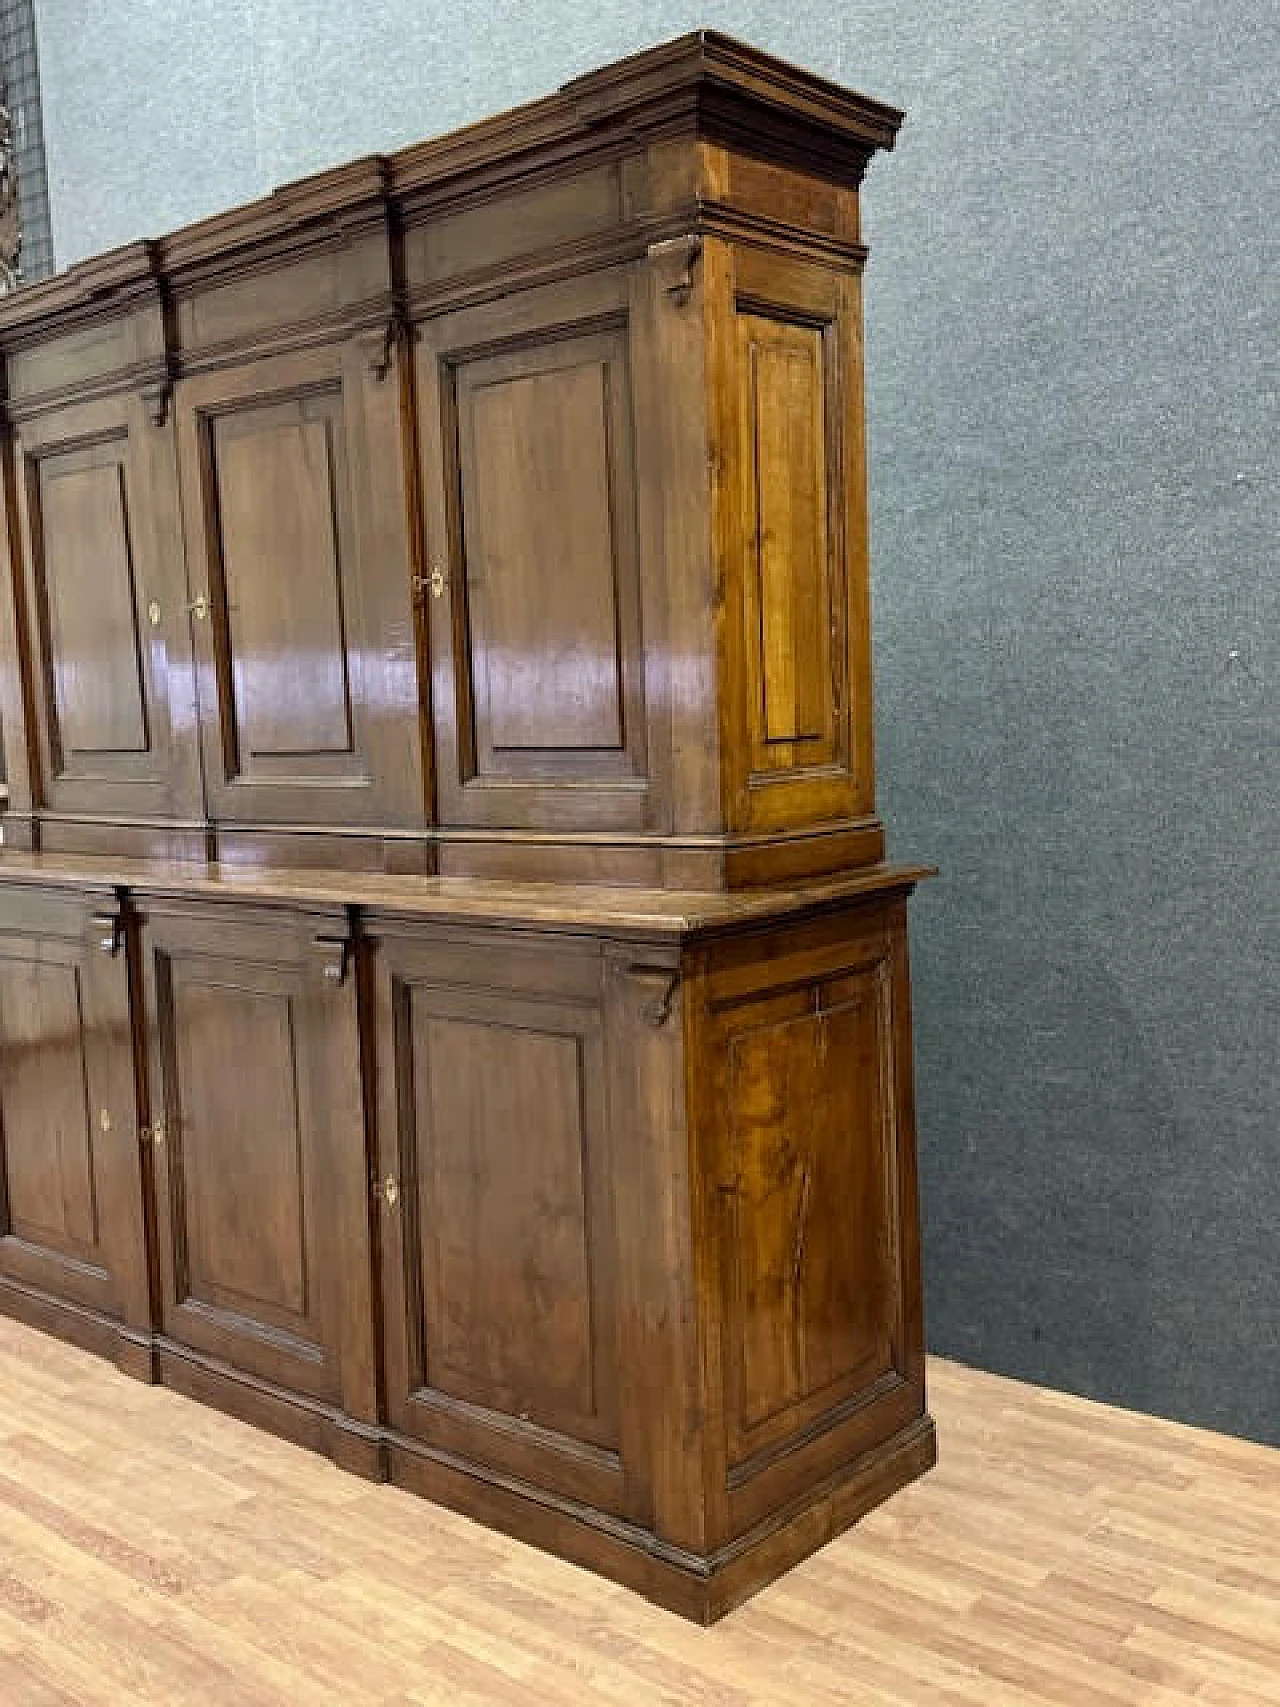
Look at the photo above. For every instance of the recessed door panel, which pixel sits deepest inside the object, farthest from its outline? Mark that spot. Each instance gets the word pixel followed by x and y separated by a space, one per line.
pixel 280 488
pixel 44 1103
pixel 102 549
pixel 99 693
pixel 500 1262
pixel 244 1187
pixel 506 1260
pixel 542 545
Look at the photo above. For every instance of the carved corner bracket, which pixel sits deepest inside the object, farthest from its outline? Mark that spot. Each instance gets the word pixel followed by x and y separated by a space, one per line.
pixel 660 984
pixel 688 251
pixel 157 394
pixel 378 348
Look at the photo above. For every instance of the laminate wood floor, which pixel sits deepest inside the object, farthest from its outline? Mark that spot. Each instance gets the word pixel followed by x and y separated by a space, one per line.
pixel 152 1551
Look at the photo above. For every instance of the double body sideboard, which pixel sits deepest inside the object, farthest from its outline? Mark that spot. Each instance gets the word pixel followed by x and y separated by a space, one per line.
pixel 454 1005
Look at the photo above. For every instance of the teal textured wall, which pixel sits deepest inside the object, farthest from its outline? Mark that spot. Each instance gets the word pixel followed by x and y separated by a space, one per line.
pixel 1073 325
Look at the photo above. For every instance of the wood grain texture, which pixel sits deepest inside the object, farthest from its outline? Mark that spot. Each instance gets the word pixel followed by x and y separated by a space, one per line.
pixel 253 1060
pixel 499 510
pixel 71 1200
pixel 1062 1555
pixel 523 510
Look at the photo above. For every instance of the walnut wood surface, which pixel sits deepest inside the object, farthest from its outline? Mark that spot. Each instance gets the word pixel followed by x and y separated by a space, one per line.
pixel 606 1234
pixel 454 1009
pixel 509 486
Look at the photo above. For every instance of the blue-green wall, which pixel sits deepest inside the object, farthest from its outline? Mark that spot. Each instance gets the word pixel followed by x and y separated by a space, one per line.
pixel 1074 343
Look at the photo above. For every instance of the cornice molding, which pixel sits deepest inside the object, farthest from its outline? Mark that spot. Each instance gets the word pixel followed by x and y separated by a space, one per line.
pixel 705 86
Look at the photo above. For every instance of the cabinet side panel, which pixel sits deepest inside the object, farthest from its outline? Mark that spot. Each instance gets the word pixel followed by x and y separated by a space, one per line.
pixel 788 569
pixel 807 1154
pixel 812 1268
pixel 790 540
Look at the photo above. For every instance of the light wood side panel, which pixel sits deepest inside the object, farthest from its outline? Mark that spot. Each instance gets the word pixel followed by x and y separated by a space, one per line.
pixel 789 592
pixel 812 1269
pixel 785 362
pixel 805 1141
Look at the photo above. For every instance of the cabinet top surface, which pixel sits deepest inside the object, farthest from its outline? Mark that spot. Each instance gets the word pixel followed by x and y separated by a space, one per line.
pixel 580 908
pixel 701 85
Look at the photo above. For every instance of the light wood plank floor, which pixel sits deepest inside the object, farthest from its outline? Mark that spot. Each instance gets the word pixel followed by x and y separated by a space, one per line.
pixel 152 1551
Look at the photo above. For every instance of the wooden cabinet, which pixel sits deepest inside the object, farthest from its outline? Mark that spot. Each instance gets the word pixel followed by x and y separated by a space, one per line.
pixel 522 530
pixel 73 1250
pixel 595 1218
pixel 261 1179
pixel 453 1006
pixel 683 1293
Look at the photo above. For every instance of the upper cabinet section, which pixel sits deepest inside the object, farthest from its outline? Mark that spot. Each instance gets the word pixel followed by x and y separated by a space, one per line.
pixel 493 508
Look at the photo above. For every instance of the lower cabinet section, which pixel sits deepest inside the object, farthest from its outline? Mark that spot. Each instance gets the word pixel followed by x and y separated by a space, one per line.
pixel 606 1237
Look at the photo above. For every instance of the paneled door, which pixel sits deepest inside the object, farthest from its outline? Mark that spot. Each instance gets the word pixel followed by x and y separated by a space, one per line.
pixel 71 1191
pixel 302 614
pixel 536 550
pixel 499 1230
pixel 261 1175
pixel 101 538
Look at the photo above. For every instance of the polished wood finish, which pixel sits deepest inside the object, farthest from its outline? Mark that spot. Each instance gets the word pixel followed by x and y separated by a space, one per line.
pixel 434 662
pixel 598 1224
pixel 299 592
pixel 99 621
pixel 72 1176
pixel 534 555
pixel 497 507
pixel 262 1203
pixel 1063 1553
